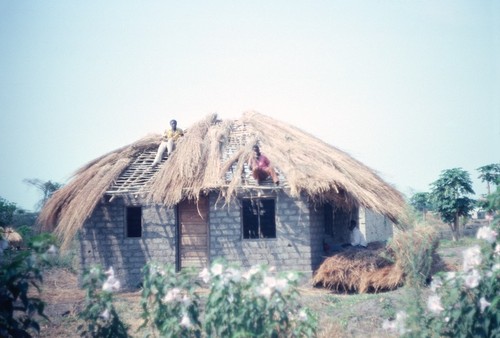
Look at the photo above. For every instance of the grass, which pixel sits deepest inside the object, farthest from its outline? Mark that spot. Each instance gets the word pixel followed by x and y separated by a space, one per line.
pixel 462 242
pixel 340 315
pixel 352 315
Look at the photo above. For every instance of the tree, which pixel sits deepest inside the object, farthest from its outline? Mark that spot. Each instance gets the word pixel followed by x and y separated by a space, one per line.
pixel 449 196
pixel 7 210
pixel 47 188
pixel 421 201
pixel 490 174
pixel 494 207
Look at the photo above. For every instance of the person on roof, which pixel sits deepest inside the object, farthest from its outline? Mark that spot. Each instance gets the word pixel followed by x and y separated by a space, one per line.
pixel 357 238
pixel 261 167
pixel 168 141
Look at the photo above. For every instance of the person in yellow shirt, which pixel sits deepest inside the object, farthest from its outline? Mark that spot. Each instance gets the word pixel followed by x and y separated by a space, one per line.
pixel 168 141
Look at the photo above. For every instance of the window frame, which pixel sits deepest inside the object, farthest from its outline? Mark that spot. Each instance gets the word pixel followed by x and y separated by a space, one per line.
pixel 271 229
pixel 132 229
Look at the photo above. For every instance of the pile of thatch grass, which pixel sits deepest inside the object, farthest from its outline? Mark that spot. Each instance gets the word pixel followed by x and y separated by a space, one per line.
pixel 359 270
pixel 11 235
pixel 406 259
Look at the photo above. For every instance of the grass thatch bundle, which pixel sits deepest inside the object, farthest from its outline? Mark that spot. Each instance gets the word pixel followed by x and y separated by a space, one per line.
pixel 414 250
pixel 12 236
pixel 358 270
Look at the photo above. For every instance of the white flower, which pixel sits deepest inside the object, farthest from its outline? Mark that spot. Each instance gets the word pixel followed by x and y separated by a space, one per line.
pixel 265 291
pixel 471 280
pixel 495 267
pixel 281 284
pixel 253 270
pixel 111 284
pixel 185 321
pixel 172 295
pixel 270 282
pixel 436 284
pixel 105 314
pixel 186 300
pixel 233 275
pixel 487 234
pixel 450 275
pixel 397 324
pixel 302 316
pixel 217 269
pixel 52 250
pixel 483 304
pixel 205 275
pixel 401 317
pixel 434 304
pixel 110 272
pixel 291 276
pixel 472 257
pixel 389 325
pixel 497 249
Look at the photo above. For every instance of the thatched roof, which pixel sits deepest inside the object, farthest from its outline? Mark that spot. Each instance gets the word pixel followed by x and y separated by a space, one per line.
pixel 212 156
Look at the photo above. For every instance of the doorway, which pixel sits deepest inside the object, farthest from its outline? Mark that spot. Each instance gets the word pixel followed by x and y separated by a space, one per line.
pixel 193 233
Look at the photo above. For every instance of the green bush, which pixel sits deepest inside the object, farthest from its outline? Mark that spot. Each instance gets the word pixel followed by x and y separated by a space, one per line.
pixel 256 303
pixel 19 272
pixel 466 303
pixel 99 316
pixel 463 303
pixel 169 302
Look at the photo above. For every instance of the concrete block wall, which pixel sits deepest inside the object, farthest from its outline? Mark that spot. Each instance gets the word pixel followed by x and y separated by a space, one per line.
pixel 290 250
pixel 374 226
pixel 103 239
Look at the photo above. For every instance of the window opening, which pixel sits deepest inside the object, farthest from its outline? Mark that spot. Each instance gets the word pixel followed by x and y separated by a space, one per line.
pixel 328 212
pixel 134 221
pixel 259 218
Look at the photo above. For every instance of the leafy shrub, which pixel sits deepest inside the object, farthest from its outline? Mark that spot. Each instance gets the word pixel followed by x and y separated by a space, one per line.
pixel 18 307
pixel 466 303
pixel 169 302
pixel 99 315
pixel 255 303
pixel 462 304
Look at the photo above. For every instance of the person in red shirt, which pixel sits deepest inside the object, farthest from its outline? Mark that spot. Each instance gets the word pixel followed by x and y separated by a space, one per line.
pixel 261 167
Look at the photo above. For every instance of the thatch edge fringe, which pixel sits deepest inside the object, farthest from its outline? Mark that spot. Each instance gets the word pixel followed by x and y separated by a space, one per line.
pixel 70 206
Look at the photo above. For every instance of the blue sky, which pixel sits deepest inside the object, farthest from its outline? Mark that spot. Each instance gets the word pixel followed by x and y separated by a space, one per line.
pixel 410 88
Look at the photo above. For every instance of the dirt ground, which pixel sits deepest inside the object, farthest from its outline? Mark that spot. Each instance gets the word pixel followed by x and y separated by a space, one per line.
pixel 340 315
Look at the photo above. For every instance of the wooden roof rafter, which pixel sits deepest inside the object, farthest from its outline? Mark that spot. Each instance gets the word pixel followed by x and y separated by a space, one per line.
pixel 136 178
